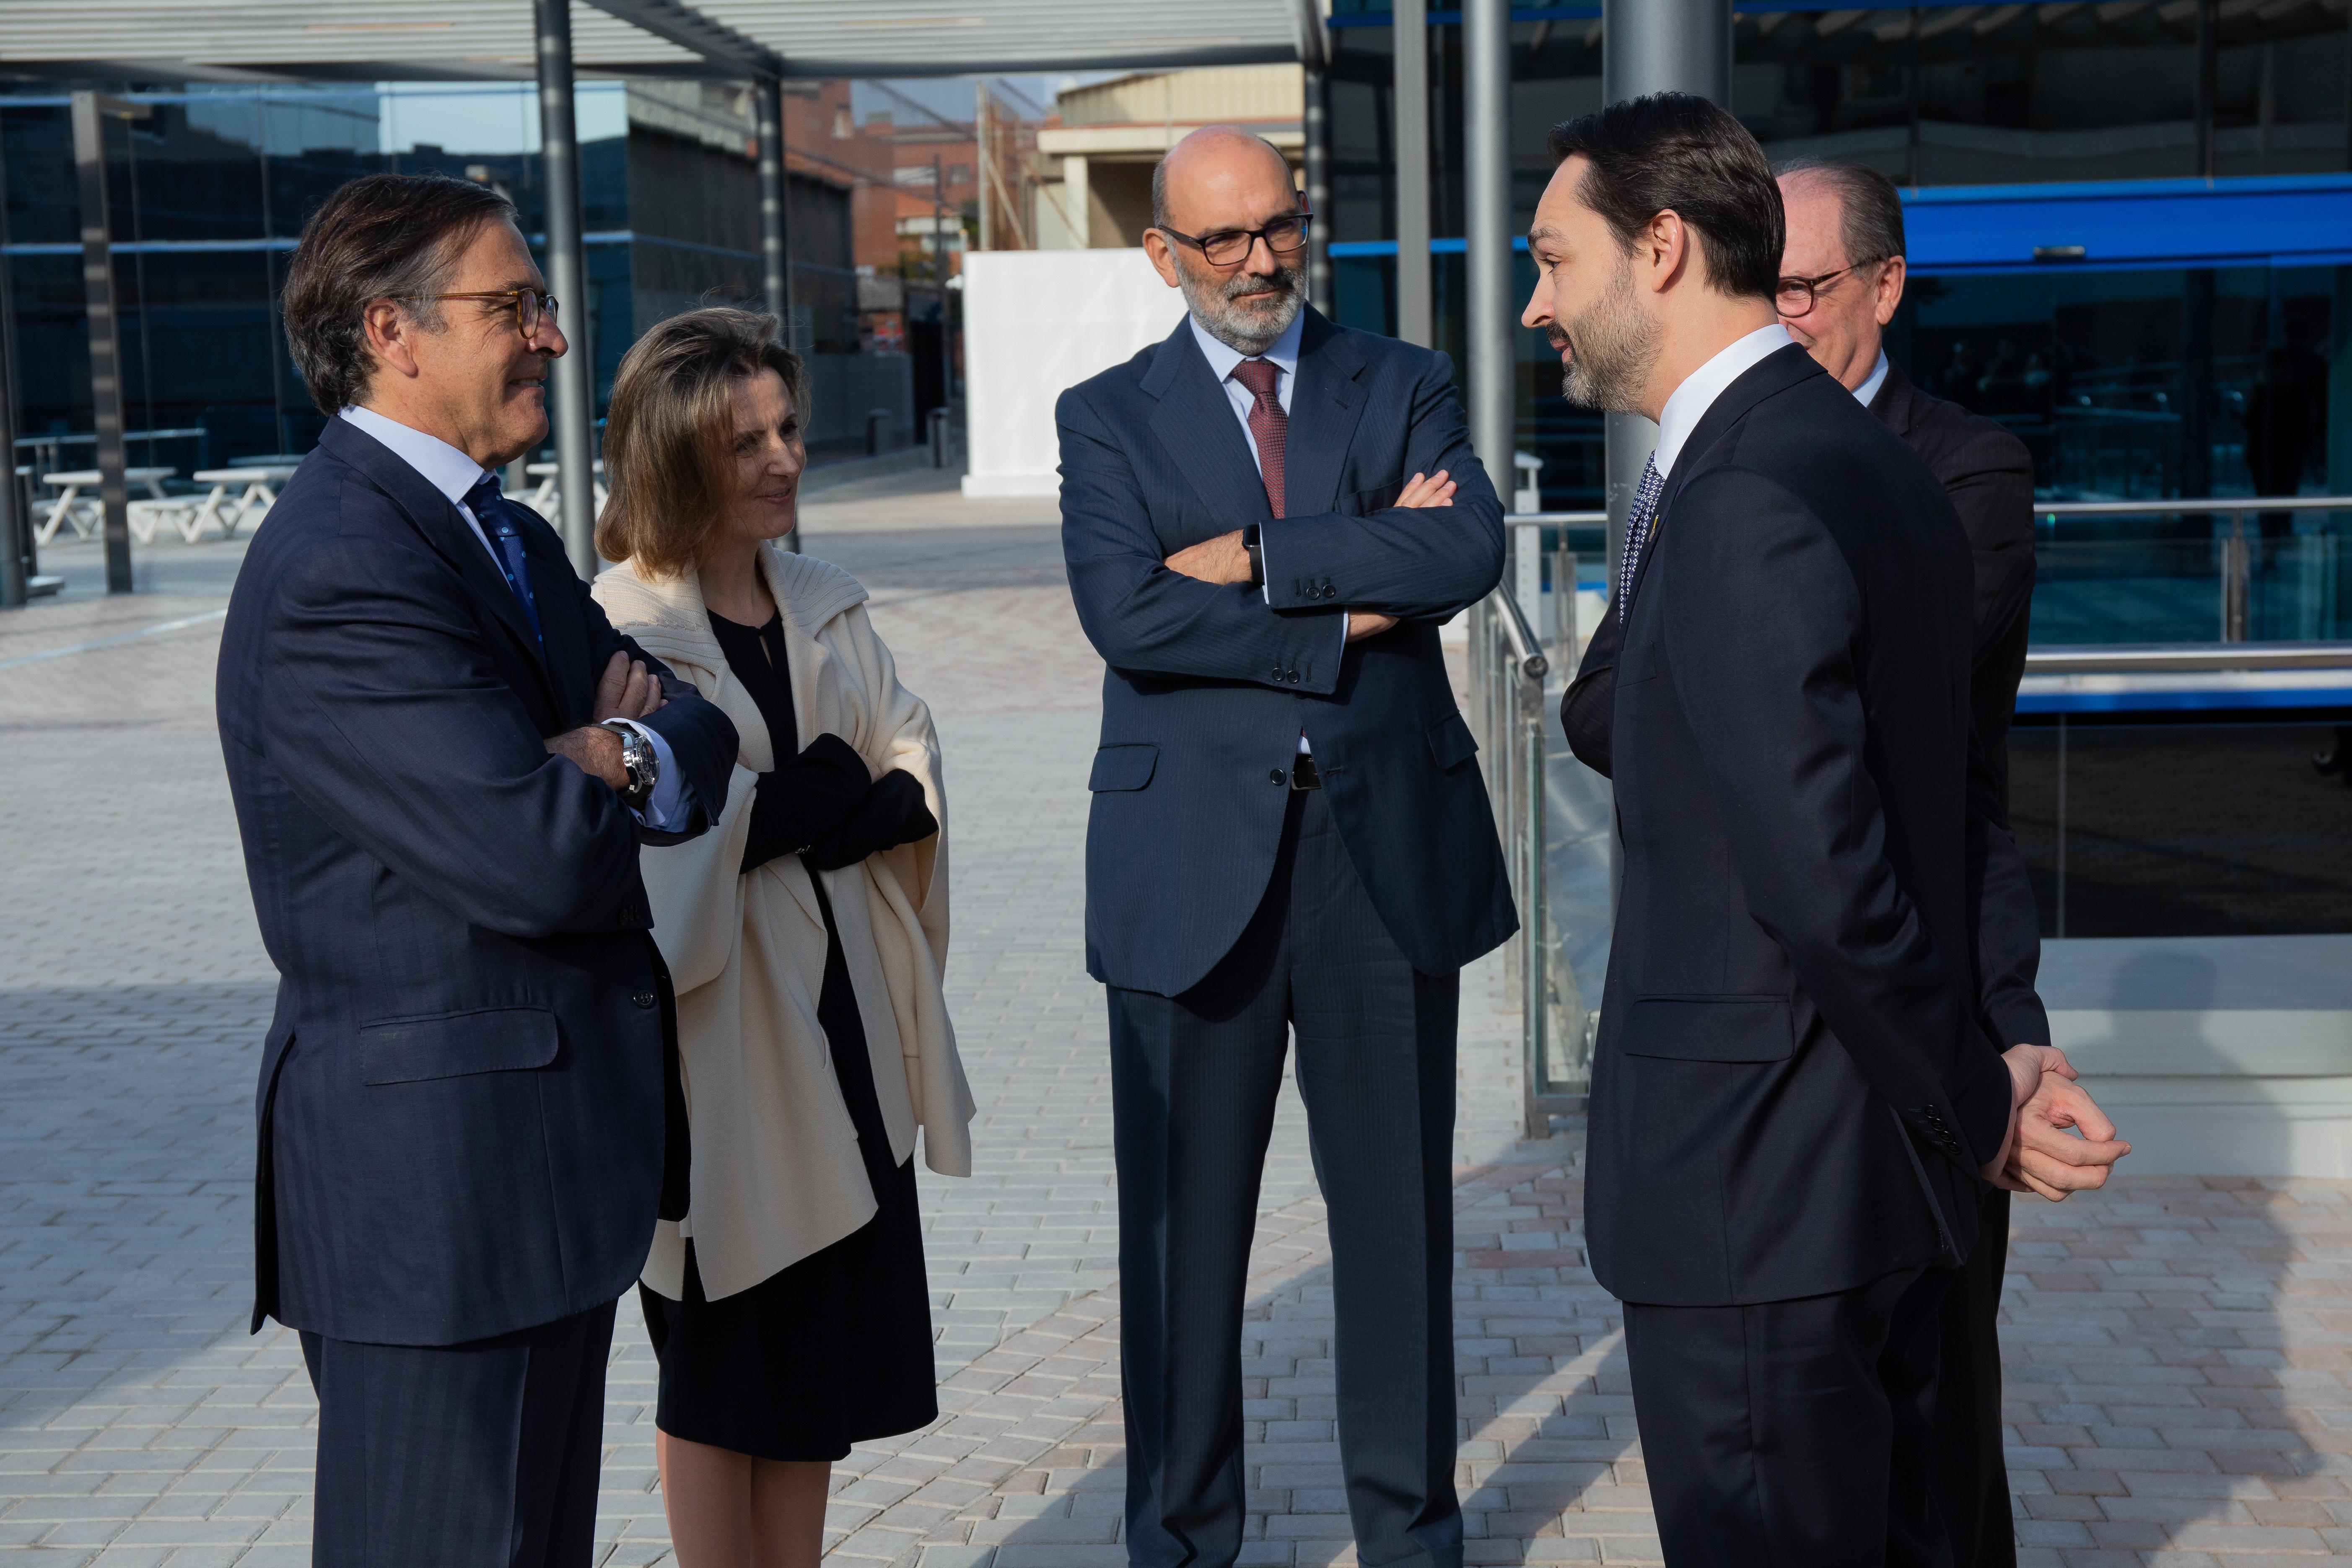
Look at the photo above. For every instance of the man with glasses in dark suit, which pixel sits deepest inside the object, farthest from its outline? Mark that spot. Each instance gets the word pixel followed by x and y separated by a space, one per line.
pixel 443 760
pixel 1265 519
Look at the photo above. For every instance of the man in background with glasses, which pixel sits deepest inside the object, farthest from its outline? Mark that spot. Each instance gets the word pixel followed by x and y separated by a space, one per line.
pixel 1265 519
pixel 1841 278
pixel 443 760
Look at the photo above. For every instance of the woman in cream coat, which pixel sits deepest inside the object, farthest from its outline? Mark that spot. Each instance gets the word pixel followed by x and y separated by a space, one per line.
pixel 804 935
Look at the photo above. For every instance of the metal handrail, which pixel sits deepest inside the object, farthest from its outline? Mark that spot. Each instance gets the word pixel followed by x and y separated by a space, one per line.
pixel 1508 666
pixel 2177 659
pixel 2206 505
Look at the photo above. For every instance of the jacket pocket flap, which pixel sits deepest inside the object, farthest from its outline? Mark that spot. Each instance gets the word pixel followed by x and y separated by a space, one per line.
pixel 1451 741
pixel 452 1044
pixel 1123 767
pixel 1711 1028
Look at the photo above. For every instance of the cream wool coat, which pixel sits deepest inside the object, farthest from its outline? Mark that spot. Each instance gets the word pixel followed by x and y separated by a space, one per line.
pixel 776 1169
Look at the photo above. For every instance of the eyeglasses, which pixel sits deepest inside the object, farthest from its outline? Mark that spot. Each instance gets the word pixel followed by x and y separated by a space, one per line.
pixel 1798 296
pixel 531 305
pixel 1285 236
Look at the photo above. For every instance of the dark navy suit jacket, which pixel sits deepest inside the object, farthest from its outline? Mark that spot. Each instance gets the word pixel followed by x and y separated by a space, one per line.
pixel 1988 475
pixel 1211 686
pixel 465 1077
pixel 1792 1086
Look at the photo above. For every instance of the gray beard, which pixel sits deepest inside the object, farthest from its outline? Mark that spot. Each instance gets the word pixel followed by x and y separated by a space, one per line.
pixel 1249 331
pixel 1614 345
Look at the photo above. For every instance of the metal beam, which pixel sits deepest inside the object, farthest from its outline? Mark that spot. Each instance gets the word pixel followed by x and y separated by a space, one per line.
pixel 775 264
pixel 690 29
pixel 89 112
pixel 1410 87
pixel 572 377
pixel 1654 46
pixel 17 554
pixel 1317 124
pixel 1486 169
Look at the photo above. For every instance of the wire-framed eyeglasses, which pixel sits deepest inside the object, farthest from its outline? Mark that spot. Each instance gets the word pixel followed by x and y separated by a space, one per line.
pixel 1798 296
pixel 531 306
pixel 1285 236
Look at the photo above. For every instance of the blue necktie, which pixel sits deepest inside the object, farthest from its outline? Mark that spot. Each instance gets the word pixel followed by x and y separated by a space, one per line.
pixel 497 518
pixel 1637 532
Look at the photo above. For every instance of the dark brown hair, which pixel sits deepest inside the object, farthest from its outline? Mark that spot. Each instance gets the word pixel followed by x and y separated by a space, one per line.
pixel 1677 151
pixel 669 436
pixel 378 237
pixel 1870 209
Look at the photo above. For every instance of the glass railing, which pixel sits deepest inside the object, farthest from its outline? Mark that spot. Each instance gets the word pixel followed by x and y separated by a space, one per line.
pixel 2239 568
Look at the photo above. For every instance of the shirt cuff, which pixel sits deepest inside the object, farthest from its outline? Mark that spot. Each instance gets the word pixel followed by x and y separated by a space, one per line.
pixel 665 811
pixel 1265 572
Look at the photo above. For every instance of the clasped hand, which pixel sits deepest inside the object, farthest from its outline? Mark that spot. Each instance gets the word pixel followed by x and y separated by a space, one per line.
pixel 2044 1154
pixel 625 691
pixel 1222 560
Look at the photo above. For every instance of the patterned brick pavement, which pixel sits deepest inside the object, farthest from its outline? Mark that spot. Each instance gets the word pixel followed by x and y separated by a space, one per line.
pixel 2178 1348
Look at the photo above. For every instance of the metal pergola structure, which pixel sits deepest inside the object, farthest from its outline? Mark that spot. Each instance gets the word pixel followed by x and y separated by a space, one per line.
pixel 1650 44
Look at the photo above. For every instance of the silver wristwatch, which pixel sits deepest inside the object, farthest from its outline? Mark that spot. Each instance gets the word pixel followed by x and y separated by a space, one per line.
pixel 639 761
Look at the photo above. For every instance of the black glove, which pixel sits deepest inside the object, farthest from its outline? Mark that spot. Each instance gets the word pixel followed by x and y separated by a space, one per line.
pixel 805 800
pixel 892 814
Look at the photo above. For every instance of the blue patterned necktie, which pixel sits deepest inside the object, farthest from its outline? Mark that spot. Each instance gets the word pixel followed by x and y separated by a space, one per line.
pixel 1637 531
pixel 497 518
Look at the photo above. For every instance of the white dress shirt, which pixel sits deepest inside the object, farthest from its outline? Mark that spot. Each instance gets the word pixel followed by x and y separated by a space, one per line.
pixel 453 473
pixel 1697 394
pixel 1282 354
pixel 1869 389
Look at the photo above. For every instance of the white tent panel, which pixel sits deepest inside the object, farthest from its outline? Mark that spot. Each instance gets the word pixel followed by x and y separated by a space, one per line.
pixel 1035 323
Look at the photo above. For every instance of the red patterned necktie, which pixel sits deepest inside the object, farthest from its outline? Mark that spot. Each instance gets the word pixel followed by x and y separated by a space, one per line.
pixel 1269 426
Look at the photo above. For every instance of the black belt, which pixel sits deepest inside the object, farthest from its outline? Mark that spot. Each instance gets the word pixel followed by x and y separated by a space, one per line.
pixel 1303 775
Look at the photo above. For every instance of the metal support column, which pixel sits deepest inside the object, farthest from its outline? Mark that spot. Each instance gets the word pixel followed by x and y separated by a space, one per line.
pixel 775 268
pixel 1486 157
pixel 1317 130
pixel 1415 322
pixel 105 327
pixel 572 378
pixel 1654 46
pixel 15 527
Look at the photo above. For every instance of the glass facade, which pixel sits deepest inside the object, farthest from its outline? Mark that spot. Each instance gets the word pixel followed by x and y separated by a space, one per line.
pixel 210 189
pixel 2127 382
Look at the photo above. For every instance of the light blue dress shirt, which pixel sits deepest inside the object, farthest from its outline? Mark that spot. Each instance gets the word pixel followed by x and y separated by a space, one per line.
pixel 453 473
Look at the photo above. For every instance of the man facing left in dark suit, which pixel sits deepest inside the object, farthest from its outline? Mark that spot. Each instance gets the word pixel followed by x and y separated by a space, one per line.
pixel 444 759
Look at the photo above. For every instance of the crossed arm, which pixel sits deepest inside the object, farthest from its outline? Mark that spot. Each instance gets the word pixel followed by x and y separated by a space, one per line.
pixel 1193 615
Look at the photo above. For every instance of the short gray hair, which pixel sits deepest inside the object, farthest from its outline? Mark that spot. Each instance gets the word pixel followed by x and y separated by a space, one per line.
pixel 1870 211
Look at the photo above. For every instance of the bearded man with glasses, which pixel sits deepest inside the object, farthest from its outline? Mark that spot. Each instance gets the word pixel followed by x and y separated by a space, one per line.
pixel 1266 517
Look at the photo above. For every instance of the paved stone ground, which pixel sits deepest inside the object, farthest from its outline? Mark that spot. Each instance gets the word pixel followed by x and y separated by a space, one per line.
pixel 2178 1348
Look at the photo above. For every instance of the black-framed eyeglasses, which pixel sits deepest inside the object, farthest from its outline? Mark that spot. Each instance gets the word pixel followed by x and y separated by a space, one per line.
pixel 1285 236
pixel 1798 296
pixel 531 306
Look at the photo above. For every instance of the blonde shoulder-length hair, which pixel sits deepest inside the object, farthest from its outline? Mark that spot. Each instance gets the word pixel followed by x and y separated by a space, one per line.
pixel 669 435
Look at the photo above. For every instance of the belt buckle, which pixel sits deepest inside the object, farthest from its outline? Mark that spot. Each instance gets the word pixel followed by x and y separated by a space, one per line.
pixel 1303 775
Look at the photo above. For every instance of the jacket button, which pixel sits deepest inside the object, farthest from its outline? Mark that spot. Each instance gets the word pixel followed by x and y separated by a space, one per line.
pixel 645 998
pixel 1294 678
pixel 1276 776
pixel 1277 672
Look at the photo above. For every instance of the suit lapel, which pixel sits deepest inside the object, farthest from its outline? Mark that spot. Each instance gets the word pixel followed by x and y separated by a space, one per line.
pixel 436 518
pixel 553 591
pixel 1325 406
pixel 1776 372
pixel 1196 423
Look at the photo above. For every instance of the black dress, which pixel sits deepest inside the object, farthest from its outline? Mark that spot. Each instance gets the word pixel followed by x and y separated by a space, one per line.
pixel 836 1348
